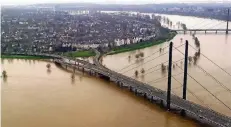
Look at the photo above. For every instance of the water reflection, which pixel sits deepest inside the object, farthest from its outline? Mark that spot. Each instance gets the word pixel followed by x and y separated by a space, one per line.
pixel 48 71
pixel 4 79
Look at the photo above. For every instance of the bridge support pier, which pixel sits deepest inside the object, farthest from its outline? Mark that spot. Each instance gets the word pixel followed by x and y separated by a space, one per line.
pixel 130 88
pixel 205 31
pixel 83 69
pixel 216 31
pixel 135 91
pixel 169 76
pixel 161 103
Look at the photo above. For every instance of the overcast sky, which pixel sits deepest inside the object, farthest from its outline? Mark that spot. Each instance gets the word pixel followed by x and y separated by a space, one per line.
pixel 23 2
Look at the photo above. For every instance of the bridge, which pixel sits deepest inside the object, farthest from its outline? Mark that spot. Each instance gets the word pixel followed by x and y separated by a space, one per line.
pixel 154 95
pixel 205 30
pixel 211 29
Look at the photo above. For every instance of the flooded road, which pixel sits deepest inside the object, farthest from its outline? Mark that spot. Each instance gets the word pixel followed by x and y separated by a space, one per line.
pixel 209 77
pixel 35 97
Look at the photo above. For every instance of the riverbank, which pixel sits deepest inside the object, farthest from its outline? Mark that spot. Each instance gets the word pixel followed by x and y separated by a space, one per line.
pixel 141 45
pixel 23 57
pixel 86 53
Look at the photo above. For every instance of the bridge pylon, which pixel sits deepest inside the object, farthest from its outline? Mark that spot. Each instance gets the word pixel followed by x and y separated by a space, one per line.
pixel 169 76
pixel 227 26
pixel 185 73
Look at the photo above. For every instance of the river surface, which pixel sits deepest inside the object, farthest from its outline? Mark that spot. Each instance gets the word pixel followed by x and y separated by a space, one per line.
pixel 35 97
pixel 32 96
pixel 216 47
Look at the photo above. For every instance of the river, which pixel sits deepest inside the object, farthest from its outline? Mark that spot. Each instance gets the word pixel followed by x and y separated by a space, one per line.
pixel 216 47
pixel 35 97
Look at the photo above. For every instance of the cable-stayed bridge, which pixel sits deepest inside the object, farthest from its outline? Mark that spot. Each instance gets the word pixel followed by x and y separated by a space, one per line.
pixel 167 99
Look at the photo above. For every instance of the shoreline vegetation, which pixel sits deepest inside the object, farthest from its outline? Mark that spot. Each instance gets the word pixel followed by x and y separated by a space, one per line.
pixel 89 53
pixel 141 45
pixel 84 53
pixel 8 56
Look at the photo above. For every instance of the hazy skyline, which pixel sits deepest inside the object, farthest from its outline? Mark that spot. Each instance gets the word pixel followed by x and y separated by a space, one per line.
pixel 23 2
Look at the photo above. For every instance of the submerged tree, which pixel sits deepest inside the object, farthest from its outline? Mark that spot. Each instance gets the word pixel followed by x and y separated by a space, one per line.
pixel 190 59
pixel 142 71
pixel 197 42
pixel 163 67
pixel 181 39
pixel 48 66
pixel 72 76
pixel 129 57
pixel 136 73
pixel 141 54
pixel 137 56
pixel 4 74
pixel 183 26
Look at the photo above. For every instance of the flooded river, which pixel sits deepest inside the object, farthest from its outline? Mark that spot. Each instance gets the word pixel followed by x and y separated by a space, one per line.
pixel 35 97
pixel 216 47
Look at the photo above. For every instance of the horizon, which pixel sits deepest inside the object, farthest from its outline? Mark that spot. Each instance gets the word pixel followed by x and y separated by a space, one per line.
pixel 105 2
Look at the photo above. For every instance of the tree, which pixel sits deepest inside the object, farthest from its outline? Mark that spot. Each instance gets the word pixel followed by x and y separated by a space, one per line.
pixel 48 66
pixel 136 73
pixel 4 74
pixel 141 54
pixel 197 42
pixel 183 26
pixel 163 67
pixel 142 71
pixel 137 56
pixel 72 76
pixel 190 59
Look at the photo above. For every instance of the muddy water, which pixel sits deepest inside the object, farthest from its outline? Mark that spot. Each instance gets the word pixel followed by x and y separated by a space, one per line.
pixel 35 97
pixel 217 47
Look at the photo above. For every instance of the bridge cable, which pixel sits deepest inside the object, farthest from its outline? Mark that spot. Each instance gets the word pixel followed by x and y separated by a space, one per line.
pixel 221 84
pixel 207 90
pixel 165 77
pixel 191 92
pixel 225 87
pixel 144 58
pixel 204 25
pixel 159 65
pixel 200 24
pixel 150 60
pixel 219 23
pixel 145 62
pixel 211 61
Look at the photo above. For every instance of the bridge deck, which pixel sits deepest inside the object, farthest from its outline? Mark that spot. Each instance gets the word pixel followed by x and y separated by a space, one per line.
pixel 224 30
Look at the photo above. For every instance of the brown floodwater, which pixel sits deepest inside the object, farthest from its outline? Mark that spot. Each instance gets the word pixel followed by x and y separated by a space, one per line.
pixel 217 47
pixel 35 97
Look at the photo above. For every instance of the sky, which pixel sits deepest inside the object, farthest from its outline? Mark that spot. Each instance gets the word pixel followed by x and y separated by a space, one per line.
pixel 25 2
